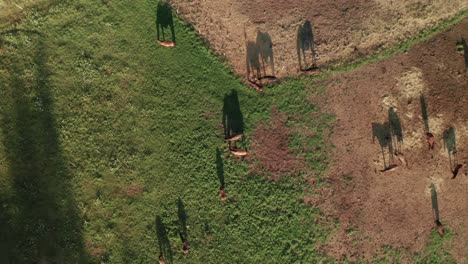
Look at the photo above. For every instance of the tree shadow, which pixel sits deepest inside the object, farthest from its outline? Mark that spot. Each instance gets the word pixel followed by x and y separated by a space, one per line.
pixel 259 60
pixel 41 223
pixel 233 120
pixel 220 167
pixel 305 47
pixel 182 216
pixel 383 134
pixel 164 22
pixel 424 113
pixel 165 248
pixel 395 129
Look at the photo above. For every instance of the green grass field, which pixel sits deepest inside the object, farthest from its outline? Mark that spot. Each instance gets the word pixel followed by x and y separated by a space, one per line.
pixel 109 146
pixel 103 130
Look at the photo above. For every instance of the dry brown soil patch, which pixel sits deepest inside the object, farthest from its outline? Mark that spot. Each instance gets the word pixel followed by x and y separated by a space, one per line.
pixel 394 208
pixel 342 29
pixel 270 151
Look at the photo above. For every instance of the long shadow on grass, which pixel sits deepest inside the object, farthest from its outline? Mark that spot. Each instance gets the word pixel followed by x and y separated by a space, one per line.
pixel 163 240
pixel 164 22
pixel 233 120
pixel 305 47
pixel 182 215
pixel 40 222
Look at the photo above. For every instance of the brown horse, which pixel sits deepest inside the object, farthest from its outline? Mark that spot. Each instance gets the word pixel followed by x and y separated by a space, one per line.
pixel 185 247
pixel 161 259
pixel 456 170
pixel 166 43
pixel 430 140
pixel 222 194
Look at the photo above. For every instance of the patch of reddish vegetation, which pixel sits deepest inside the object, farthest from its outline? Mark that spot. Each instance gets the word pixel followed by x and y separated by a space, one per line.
pixel 270 151
pixel 94 249
pixel 133 190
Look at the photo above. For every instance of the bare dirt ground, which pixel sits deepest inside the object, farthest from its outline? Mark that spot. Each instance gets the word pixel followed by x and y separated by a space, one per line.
pixel 271 151
pixel 425 89
pixel 341 29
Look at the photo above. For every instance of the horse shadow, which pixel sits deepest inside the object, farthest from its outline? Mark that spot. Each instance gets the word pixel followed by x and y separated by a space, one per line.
pixel 422 100
pixel 253 61
pixel 384 136
pixel 232 119
pixel 165 248
pixel 305 47
pixel 395 129
pixel 464 47
pixel 182 217
pixel 260 62
pixel 451 146
pixel 390 137
pixel 164 22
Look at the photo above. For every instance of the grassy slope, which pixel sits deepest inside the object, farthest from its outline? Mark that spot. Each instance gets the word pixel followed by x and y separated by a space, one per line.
pixel 121 111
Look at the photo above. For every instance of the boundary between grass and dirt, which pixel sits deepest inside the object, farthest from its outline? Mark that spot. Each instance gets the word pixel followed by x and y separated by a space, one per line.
pixel 332 68
pixel 354 63
pixel 346 65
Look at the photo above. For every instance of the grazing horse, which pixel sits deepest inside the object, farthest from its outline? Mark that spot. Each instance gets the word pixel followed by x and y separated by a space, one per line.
pixel 161 259
pixel 456 170
pixel 222 194
pixel 185 247
pixel 430 140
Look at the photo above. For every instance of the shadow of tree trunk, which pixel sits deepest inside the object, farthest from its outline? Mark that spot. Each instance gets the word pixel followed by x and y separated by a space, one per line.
pixel 41 223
